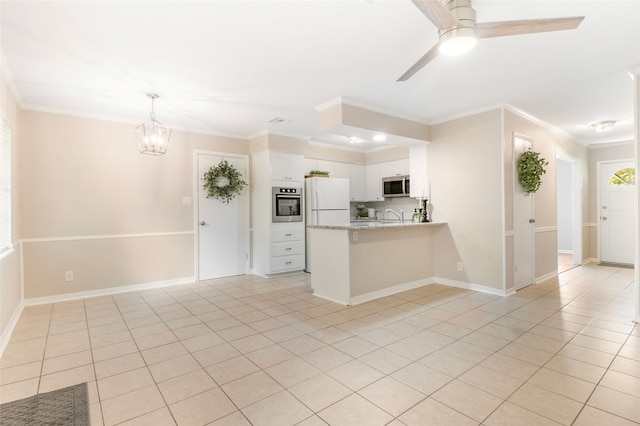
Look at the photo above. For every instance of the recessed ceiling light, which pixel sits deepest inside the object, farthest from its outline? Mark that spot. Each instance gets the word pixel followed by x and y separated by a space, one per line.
pixel 355 140
pixel 380 138
pixel 602 126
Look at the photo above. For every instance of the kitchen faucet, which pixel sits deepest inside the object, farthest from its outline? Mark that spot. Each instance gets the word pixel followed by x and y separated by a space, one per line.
pixel 399 216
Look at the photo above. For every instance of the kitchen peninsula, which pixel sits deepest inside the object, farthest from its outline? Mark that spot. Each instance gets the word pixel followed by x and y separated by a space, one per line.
pixel 359 262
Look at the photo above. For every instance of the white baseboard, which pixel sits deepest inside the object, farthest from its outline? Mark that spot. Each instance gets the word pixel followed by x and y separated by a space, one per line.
pixel 339 302
pixel 106 291
pixel 8 331
pixel 412 285
pixel 546 277
pixel 471 286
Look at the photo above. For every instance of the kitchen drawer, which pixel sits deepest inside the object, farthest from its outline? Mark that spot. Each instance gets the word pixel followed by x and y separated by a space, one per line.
pixel 287 234
pixel 287 263
pixel 287 248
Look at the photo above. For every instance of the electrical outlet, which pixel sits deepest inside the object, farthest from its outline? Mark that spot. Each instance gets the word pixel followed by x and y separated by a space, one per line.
pixel 68 276
pixel 459 266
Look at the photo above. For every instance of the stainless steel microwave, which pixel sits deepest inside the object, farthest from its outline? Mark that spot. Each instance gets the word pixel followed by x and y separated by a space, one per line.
pixel 396 186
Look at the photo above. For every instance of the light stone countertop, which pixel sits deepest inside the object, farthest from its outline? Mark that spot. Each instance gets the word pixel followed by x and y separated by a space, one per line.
pixel 362 225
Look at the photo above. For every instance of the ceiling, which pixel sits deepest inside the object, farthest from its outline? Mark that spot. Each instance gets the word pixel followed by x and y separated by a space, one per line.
pixel 229 67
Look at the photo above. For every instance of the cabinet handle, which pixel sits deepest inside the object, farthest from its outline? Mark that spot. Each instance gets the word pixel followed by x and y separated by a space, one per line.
pixel 287 235
pixel 287 249
pixel 288 263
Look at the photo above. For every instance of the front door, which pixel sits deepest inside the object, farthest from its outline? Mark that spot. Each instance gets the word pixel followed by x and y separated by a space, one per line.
pixel 222 228
pixel 616 186
pixel 523 223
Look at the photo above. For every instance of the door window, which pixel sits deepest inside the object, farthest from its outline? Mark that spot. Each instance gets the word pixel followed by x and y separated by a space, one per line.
pixel 626 176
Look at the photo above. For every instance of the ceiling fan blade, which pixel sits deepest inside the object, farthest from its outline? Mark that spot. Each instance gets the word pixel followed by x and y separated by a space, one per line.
pixel 437 13
pixel 527 26
pixel 428 57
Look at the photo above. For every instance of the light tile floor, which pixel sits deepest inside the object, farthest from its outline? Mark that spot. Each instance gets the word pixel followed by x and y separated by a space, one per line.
pixel 565 262
pixel 251 351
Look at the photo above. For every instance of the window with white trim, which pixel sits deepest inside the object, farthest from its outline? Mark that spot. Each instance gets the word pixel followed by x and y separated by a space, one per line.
pixel 5 188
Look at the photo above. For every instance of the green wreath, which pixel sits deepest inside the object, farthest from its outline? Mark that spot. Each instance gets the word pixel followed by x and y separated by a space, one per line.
pixel 530 168
pixel 223 182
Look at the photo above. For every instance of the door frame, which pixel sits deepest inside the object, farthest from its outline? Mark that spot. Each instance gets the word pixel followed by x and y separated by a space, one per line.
pixel 598 198
pixel 576 206
pixel 195 190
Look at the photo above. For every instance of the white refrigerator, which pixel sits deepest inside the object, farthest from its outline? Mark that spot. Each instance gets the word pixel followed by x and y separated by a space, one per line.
pixel 326 203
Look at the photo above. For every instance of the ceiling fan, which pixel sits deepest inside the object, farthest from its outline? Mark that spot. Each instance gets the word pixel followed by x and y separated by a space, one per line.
pixel 458 31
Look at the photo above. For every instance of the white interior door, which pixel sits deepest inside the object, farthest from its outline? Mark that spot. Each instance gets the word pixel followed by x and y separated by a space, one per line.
pixel 615 210
pixel 222 229
pixel 523 223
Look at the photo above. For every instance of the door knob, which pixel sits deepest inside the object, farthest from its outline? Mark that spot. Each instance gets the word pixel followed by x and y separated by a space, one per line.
pixel 532 221
pixel 603 218
pixel 604 207
pixel 202 223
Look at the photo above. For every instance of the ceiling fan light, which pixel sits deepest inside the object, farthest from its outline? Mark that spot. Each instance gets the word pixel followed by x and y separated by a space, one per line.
pixel 457 41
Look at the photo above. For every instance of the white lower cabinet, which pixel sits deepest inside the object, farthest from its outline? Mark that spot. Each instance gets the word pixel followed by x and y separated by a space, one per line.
pixel 287 249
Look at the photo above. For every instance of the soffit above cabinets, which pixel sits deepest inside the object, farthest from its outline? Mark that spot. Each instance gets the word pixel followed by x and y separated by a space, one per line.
pixel 364 128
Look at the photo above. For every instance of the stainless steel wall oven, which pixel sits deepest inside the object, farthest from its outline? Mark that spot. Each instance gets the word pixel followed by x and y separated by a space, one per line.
pixel 286 205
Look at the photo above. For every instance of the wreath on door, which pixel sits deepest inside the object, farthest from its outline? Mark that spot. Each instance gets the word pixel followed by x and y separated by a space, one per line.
pixel 530 170
pixel 223 182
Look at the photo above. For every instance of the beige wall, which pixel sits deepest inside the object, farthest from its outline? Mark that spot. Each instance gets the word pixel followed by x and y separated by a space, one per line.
pixel 464 167
pixel 93 205
pixel 549 144
pixel 10 285
pixel 636 97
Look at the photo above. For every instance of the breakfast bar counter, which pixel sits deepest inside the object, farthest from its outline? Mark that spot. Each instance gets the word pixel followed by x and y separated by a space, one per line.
pixel 362 261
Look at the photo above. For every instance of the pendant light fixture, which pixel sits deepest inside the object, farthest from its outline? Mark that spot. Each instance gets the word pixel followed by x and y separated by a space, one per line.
pixel 152 137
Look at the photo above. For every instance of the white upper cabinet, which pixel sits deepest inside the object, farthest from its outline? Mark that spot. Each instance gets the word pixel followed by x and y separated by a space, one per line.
pixel 310 164
pixel 373 186
pixel 336 168
pixel 287 167
pixel 394 168
pixel 357 184
pixel 418 169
